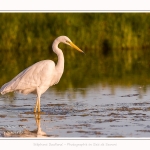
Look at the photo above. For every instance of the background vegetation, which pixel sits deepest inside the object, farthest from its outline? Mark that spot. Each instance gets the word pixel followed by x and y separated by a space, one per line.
pixel 116 46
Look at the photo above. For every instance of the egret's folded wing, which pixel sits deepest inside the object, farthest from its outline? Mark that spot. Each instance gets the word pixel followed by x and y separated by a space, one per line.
pixel 31 77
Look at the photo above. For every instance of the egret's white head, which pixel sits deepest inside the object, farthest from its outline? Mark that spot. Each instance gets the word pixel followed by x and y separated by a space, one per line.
pixel 66 40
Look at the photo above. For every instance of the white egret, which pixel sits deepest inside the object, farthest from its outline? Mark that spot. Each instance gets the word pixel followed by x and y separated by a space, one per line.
pixel 41 75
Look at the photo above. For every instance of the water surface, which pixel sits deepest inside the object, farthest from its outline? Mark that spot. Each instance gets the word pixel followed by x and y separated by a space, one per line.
pixel 82 112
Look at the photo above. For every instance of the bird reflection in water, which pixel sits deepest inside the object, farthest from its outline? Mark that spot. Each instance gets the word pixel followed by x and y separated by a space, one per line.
pixel 26 133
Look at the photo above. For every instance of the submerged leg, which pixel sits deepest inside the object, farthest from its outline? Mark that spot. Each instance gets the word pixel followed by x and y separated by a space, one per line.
pixel 40 133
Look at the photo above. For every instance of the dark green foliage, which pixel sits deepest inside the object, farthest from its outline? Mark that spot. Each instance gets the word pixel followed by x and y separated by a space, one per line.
pixel 116 46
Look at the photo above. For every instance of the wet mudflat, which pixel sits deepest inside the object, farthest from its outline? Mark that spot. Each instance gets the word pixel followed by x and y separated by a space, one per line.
pixel 84 112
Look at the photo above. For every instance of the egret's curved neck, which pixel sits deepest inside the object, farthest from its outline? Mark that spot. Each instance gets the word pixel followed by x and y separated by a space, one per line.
pixel 60 63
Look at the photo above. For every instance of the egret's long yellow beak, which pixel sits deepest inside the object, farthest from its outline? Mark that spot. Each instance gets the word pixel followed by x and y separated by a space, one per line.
pixel 76 47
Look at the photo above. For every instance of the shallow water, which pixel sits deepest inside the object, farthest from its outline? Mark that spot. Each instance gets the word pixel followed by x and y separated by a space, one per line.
pixel 82 112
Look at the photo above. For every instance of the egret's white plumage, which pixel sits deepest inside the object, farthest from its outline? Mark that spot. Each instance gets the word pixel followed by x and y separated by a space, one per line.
pixel 41 75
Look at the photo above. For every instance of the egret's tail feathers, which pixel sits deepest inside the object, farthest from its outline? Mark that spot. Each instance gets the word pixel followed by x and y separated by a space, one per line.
pixel 6 88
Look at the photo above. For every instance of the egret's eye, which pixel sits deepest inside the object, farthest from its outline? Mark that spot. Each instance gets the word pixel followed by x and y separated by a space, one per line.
pixel 67 42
